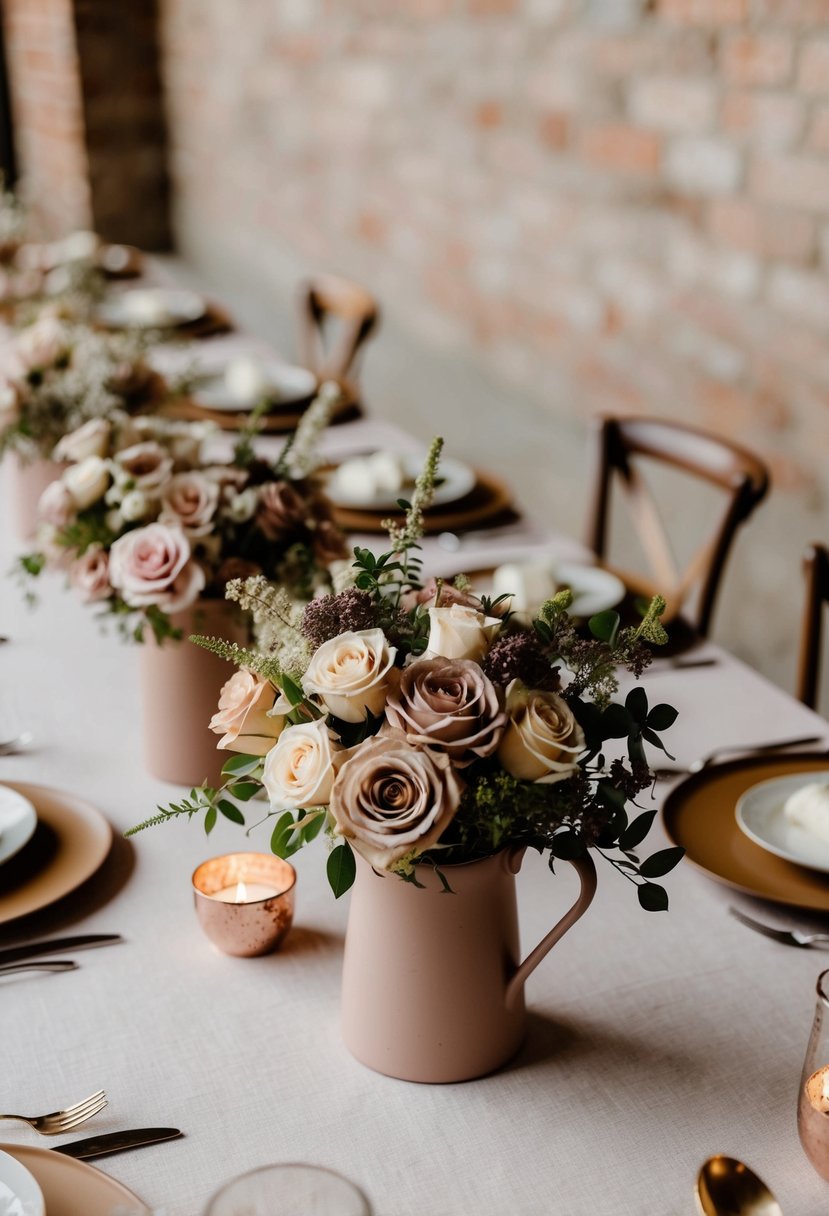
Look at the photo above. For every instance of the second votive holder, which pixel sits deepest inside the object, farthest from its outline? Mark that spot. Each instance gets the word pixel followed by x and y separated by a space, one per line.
pixel 245 902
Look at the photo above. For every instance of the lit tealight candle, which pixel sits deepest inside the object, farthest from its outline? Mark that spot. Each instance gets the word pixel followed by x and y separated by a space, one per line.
pixel 245 893
pixel 245 901
pixel 817 1090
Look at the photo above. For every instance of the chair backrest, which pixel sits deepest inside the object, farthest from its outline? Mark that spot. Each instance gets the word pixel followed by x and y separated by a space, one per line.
pixel 743 478
pixel 335 316
pixel 816 567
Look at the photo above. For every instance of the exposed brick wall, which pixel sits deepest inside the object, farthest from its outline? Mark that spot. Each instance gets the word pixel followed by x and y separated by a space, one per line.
pixel 621 204
pixel 47 111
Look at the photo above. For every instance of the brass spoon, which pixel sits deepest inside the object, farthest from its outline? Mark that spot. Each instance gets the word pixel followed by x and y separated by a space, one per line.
pixel 727 1187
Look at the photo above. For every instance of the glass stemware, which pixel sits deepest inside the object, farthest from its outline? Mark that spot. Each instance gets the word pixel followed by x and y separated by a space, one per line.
pixel 289 1190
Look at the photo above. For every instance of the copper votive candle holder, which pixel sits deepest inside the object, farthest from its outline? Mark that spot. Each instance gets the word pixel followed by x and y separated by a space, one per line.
pixel 245 902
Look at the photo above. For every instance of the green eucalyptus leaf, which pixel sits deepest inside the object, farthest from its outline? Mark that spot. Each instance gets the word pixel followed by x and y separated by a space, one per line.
pixel 653 738
pixel 605 626
pixel 567 845
pixel 210 820
pixel 230 811
pixel 240 765
pixel 341 869
pixel 652 897
pixel 661 717
pixel 244 790
pixel 615 722
pixel 282 831
pixel 661 863
pixel 638 830
pixel 636 703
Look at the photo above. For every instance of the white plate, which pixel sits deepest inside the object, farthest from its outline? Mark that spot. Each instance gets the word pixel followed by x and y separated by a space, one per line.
pixel 18 820
pixel 286 383
pixel 73 1188
pixel 457 480
pixel 760 815
pixel 594 590
pixel 151 307
pixel 20 1194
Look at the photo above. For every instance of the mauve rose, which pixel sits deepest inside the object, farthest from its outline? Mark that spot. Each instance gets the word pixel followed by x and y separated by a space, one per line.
pixel 243 718
pixel 152 566
pixel 299 771
pixel 281 509
pixel 448 704
pixel 91 439
pixel 89 575
pixel 328 543
pixel 543 740
pixel 350 673
pixel 391 800
pixel 42 344
pixel 56 505
pixel 146 465
pixel 190 500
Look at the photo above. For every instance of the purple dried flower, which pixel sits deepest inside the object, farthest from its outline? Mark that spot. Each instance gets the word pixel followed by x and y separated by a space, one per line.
pixel 518 656
pixel 331 615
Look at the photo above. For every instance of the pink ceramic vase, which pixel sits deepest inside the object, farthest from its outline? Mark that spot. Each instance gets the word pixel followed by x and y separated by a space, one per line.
pixel 25 482
pixel 433 989
pixel 180 686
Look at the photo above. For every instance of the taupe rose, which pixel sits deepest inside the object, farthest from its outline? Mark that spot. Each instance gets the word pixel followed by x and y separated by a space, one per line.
pixel 459 632
pixel 391 800
pixel 543 740
pixel 190 500
pixel 281 509
pixel 89 575
pixel 300 770
pixel 244 718
pixel 152 566
pixel 448 704
pixel 351 673
pixel 145 465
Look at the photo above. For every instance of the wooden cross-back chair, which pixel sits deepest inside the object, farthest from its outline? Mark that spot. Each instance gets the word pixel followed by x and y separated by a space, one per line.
pixel 743 478
pixel 816 566
pixel 335 318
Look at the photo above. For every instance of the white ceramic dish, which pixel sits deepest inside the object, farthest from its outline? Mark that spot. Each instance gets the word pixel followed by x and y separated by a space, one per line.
pixel 458 480
pixel 18 820
pixel 151 307
pixel 760 816
pixel 73 1188
pixel 285 383
pixel 594 590
pixel 20 1194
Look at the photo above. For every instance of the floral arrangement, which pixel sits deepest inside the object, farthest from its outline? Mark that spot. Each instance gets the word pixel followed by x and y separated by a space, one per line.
pixel 423 725
pixel 145 524
pixel 55 376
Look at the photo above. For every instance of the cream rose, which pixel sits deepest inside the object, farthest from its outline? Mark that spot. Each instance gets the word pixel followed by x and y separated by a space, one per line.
pixel 300 769
pixel 543 740
pixel 460 632
pixel 91 439
pixel 244 718
pixel 89 575
pixel 190 500
pixel 152 566
pixel 448 704
pixel 144 466
pixel 42 344
pixel 391 800
pixel 56 506
pixel 350 674
pixel 87 481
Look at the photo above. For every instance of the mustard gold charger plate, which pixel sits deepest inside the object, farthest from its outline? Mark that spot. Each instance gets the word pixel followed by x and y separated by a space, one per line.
pixel 73 1188
pixel 278 421
pixel 700 815
pixel 71 841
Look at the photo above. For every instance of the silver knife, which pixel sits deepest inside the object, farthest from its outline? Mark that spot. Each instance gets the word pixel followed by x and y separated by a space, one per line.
pixel 117 1142
pixel 13 954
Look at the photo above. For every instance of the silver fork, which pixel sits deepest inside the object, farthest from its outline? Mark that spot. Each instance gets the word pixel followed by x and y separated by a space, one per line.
pixel 58 964
pixel 64 1120
pixel 789 937
pixel 733 749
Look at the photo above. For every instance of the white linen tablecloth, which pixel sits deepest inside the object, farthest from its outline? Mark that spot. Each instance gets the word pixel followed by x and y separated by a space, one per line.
pixel 654 1040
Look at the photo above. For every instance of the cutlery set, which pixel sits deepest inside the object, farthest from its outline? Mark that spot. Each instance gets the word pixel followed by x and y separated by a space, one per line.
pixel 735 749
pixel 15 959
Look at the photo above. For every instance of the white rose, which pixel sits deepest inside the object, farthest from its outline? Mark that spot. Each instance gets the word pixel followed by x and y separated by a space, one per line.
pixel 134 506
pixel 114 520
pixel 242 507
pixel 543 740
pixel 300 769
pixel 350 674
pixel 42 344
pixel 91 439
pixel 87 481
pixel 458 632
pixel 56 505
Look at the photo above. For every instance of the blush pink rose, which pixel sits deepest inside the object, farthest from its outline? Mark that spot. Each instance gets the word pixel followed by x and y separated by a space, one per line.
pixel 244 718
pixel 56 506
pixel 89 575
pixel 190 500
pixel 152 566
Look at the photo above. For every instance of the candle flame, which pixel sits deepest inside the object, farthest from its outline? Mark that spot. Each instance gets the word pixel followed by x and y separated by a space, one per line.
pixel 241 893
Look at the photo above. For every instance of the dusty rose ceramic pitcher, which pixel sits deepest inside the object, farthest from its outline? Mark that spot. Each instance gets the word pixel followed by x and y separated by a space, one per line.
pixel 25 482
pixel 433 989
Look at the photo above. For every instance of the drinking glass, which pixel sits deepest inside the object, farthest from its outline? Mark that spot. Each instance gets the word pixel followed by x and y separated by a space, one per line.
pixel 289 1190
pixel 813 1100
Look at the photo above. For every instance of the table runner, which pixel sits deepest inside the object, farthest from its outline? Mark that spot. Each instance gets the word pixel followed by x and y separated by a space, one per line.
pixel 655 1039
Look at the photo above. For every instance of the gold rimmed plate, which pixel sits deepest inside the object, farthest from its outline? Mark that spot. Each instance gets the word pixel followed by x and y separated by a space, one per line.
pixel 700 815
pixel 72 1187
pixel 71 841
